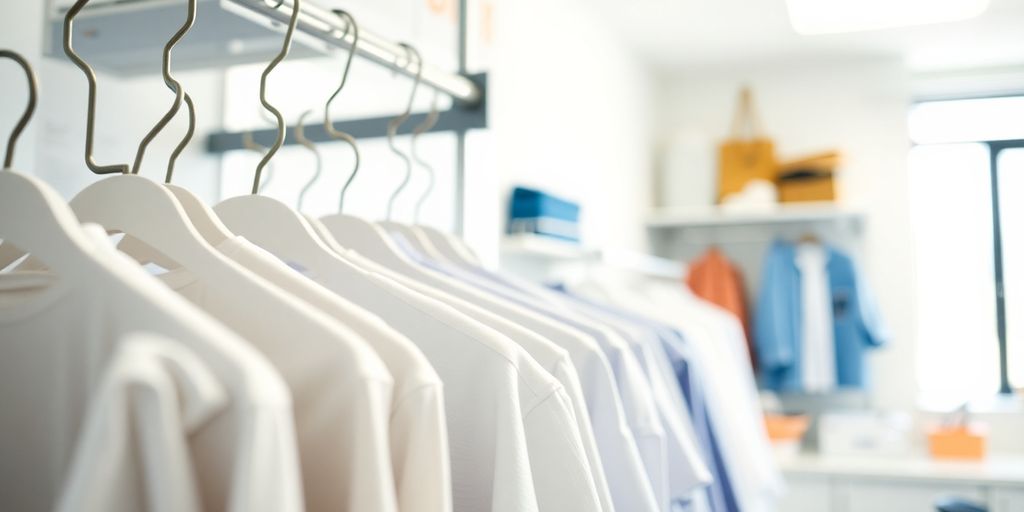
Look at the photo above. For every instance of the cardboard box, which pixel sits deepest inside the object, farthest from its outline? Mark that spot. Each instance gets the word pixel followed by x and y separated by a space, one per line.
pixel 817 188
pixel 960 443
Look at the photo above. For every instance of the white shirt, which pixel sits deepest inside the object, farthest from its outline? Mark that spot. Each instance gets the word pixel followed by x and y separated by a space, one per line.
pixel 618 445
pixel 132 452
pixel 634 389
pixel 716 340
pixel 688 471
pixel 498 400
pixel 580 448
pixel 818 359
pixel 418 434
pixel 56 341
pixel 341 389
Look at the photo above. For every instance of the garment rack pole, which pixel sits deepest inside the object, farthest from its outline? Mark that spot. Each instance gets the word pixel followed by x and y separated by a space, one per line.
pixel 460 134
pixel 326 26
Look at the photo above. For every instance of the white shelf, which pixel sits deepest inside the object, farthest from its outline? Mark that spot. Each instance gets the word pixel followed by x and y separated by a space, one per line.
pixel 536 246
pixel 782 214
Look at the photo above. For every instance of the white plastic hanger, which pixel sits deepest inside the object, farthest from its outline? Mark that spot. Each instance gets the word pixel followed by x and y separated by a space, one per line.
pixel 133 205
pixel 265 221
pixel 201 216
pixel 367 238
pixel 33 217
pixel 128 203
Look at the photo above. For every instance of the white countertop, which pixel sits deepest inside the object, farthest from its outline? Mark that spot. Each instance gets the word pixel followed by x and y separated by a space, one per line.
pixel 1006 470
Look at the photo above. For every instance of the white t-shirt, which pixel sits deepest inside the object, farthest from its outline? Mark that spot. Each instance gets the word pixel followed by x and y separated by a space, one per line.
pixel 618 445
pixel 637 398
pixel 498 401
pixel 57 339
pixel 341 390
pixel 688 471
pixel 581 448
pixel 818 359
pixel 419 436
pixel 132 452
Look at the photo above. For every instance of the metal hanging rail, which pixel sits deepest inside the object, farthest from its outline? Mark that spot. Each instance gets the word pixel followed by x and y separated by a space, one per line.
pixel 458 120
pixel 328 27
pixel 468 111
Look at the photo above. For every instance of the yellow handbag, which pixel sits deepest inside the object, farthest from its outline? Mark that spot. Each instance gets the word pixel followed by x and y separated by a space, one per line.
pixel 747 154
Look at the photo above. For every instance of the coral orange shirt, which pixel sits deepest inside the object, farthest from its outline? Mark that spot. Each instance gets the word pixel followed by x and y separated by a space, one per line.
pixel 715 279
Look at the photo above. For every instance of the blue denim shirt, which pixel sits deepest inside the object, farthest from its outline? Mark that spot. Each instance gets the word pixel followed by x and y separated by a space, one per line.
pixel 779 315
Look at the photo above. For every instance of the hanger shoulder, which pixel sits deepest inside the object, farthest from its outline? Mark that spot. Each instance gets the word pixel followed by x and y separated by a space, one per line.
pixel 206 222
pixel 412 237
pixel 274 226
pixel 36 220
pixel 450 246
pixel 147 211
pixel 365 238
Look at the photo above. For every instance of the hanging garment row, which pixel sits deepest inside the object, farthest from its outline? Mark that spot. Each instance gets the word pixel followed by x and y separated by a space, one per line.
pixel 279 362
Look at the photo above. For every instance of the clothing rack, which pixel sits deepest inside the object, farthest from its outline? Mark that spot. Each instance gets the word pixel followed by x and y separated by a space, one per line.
pixel 232 32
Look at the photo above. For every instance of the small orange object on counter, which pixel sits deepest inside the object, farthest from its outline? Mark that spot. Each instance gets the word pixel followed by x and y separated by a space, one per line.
pixel 783 427
pixel 960 443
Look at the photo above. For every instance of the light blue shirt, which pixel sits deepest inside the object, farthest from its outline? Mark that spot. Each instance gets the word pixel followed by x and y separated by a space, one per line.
pixel 778 320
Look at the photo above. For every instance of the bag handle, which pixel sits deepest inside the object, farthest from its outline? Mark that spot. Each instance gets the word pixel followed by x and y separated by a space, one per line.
pixel 746 116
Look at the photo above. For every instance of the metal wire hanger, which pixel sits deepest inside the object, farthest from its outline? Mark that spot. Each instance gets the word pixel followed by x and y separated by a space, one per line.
pixel 279 140
pixel 395 123
pixel 332 132
pixel 90 76
pixel 176 88
pixel 441 246
pixel 420 129
pixel 30 108
pixel 300 137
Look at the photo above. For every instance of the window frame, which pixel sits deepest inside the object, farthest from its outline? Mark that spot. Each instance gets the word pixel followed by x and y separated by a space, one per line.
pixel 995 148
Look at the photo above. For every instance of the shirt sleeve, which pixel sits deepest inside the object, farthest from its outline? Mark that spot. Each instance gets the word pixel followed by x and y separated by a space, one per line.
pixel 132 452
pixel 419 451
pixel 561 473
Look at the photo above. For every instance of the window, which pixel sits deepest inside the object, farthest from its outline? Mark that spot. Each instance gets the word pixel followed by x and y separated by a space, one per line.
pixel 967 178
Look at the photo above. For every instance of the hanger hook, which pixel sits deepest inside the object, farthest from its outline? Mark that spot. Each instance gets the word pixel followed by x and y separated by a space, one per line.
pixel 420 129
pixel 279 141
pixel 30 108
pixel 396 122
pixel 90 76
pixel 332 132
pixel 300 137
pixel 249 142
pixel 171 83
pixel 184 140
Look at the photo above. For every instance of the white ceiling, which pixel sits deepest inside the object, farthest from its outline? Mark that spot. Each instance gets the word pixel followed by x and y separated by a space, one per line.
pixel 674 34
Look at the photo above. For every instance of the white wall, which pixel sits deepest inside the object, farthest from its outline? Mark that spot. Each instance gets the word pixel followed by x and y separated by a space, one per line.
pixel 857 106
pixel 571 114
